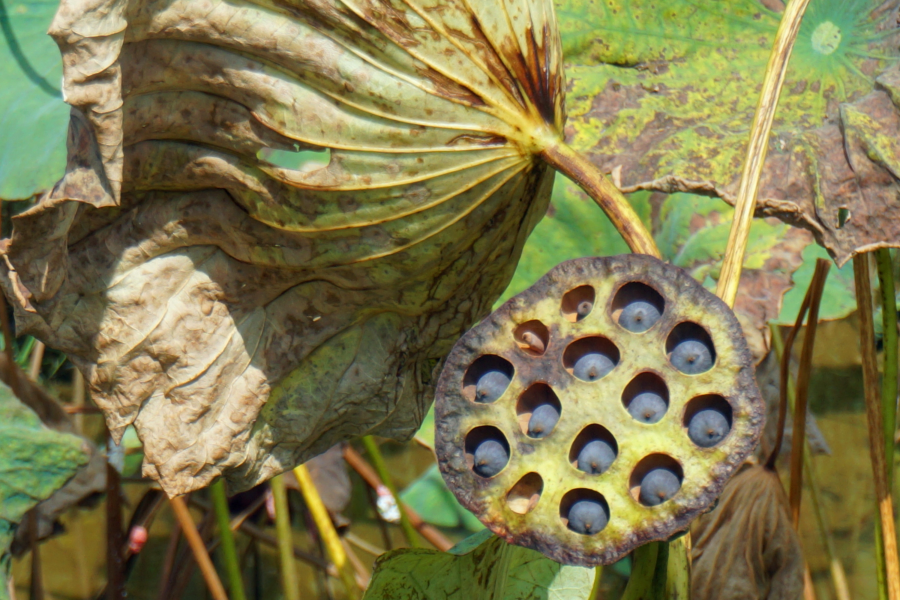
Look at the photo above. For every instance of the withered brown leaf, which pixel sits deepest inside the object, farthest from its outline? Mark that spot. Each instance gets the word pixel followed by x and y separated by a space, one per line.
pixel 246 317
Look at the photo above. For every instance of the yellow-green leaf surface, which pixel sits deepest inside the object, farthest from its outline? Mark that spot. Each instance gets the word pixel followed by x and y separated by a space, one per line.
pixel 33 115
pixel 246 316
pixel 34 463
pixel 481 567
pixel 664 91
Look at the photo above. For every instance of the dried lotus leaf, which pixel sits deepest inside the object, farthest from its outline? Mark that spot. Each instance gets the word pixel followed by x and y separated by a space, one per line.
pixel 246 317
pixel 747 548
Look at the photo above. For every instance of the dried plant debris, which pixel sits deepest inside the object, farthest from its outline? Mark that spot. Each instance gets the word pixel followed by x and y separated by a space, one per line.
pixel 661 92
pixel 245 316
pixel 620 427
pixel 746 548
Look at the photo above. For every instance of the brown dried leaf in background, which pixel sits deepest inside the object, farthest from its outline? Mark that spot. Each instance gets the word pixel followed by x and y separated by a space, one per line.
pixel 746 548
pixel 245 316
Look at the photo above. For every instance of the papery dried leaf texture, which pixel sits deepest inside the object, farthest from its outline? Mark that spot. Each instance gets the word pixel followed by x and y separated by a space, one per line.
pixel 246 317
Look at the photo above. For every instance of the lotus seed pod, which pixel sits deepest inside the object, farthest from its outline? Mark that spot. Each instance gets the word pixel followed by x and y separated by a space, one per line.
pixel 595 425
pixel 542 421
pixel 658 485
pixel 490 458
pixel 708 427
pixel 587 517
pixel 596 457
pixel 491 386
pixel 593 366
pixel 648 407
pixel 692 357
pixel 639 316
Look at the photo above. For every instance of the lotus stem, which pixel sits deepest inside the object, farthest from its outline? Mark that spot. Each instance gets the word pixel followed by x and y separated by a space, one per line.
pixel 115 573
pixel 643 567
pixel 757 148
pixel 889 380
pixel 198 548
pixel 36 359
pixel 576 167
pixel 326 529
pixel 890 585
pixel 678 580
pixel 798 437
pixel 285 539
pixel 838 575
pixel 229 551
pixel 385 476
pixel 358 464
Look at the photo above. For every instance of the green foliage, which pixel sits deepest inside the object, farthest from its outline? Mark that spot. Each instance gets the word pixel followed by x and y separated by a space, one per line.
pixel 482 566
pixel 692 74
pixel 33 117
pixel 34 463
pixel 429 496
pixel 838 299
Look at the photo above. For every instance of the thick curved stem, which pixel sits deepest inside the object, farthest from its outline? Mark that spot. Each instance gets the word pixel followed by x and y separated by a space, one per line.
pixel 573 165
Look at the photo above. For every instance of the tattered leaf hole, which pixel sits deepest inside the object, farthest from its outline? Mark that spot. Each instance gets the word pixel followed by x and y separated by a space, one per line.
pixel 577 303
pixel 533 337
pixel 590 358
pixel 537 395
pixel 480 435
pixel 646 398
pixel 637 307
pixel 645 469
pixel 524 496
pixel 593 433
pixel 683 344
pixel 708 420
pixel 487 378
pixel 573 498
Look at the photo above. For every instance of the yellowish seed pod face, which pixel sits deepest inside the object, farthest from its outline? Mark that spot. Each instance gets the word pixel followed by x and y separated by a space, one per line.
pixel 594 347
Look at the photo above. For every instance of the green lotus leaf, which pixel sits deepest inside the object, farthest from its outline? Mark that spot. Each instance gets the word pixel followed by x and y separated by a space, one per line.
pixel 429 497
pixel 246 316
pixel 34 462
pixel 483 565
pixel 33 115
pixel 664 92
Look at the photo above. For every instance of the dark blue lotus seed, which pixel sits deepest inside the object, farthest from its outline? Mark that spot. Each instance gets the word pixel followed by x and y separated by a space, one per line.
pixel 692 357
pixel 708 427
pixel 490 458
pixel 587 517
pixel 647 407
pixel 638 316
pixel 658 486
pixel 592 366
pixel 596 457
pixel 584 308
pixel 542 421
pixel 491 386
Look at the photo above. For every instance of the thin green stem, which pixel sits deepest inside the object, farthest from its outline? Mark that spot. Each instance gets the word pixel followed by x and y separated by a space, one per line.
pixel 285 539
pixel 889 381
pixel 229 551
pixel 385 476
pixel 678 581
pixel 643 568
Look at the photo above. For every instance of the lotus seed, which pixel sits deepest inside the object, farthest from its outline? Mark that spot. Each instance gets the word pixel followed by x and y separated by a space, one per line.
pixel 638 316
pixel 708 427
pixel 592 366
pixel 647 407
pixel 587 517
pixel 596 457
pixel 692 357
pixel 658 486
pixel 491 386
pixel 584 308
pixel 490 458
pixel 542 421
pixel 533 342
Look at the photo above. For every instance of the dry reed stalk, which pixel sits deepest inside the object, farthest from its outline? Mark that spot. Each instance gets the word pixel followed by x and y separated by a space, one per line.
pixel 198 548
pixel 875 424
